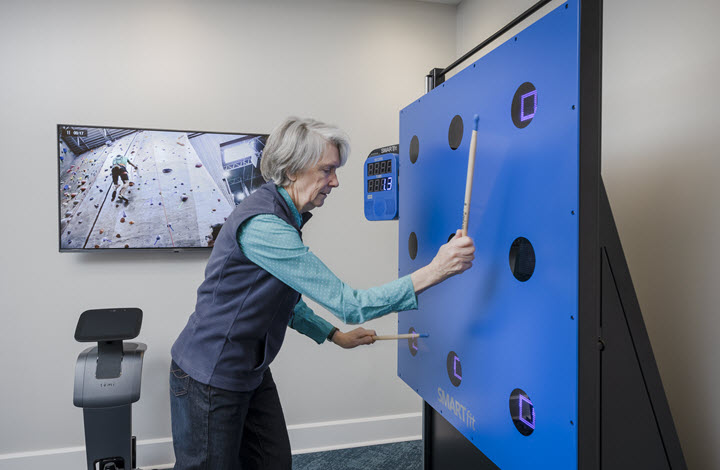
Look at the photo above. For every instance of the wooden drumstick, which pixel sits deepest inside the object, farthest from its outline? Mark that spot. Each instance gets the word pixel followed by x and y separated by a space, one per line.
pixel 405 336
pixel 469 182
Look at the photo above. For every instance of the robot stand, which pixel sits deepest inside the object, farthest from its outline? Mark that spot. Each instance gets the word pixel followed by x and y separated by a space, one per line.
pixel 107 382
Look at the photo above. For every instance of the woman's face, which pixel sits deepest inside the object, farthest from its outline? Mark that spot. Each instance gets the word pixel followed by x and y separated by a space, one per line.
pixel 311 186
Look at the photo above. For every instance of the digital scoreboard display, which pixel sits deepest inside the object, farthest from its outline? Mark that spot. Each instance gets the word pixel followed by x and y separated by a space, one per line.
pixel 382 167
pixel 379 168
pixel 380 184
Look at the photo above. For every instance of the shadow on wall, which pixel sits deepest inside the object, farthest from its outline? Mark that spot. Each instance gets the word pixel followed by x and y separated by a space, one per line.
pixel 664 212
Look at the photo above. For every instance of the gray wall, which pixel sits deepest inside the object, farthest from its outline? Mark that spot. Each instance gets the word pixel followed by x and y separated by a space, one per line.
pixel 222 66
pixel 660 166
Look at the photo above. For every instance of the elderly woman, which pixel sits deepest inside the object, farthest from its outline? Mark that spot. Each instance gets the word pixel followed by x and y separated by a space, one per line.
pixel 226 413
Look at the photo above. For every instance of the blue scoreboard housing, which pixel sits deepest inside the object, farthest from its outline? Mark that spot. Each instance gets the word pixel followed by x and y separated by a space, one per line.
pixel 381 184
pixel 519 358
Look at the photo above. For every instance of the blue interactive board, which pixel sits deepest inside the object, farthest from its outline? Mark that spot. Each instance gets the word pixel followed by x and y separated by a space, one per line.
pixel 500 363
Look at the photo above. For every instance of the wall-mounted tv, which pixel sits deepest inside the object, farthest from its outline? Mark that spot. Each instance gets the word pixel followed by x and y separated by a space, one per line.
pixel 123 188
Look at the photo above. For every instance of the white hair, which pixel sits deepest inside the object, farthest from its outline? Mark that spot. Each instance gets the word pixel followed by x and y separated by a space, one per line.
pixel 298 144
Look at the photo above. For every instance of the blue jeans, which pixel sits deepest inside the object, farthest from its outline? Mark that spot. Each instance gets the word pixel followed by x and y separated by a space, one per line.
pixel 216 429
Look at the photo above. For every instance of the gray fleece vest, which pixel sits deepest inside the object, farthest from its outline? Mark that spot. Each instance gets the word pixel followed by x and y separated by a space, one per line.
pixel 242 311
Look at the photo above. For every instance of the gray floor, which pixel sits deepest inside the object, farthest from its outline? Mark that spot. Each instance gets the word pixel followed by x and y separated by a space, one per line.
pixel 398 456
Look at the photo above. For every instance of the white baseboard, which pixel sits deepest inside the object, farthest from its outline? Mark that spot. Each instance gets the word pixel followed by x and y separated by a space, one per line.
pixel 151 453
pixel 330 435
pixel 304 438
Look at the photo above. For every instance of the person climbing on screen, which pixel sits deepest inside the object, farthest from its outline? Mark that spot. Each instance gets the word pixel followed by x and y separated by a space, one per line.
pixel 225 408
pixel 119 172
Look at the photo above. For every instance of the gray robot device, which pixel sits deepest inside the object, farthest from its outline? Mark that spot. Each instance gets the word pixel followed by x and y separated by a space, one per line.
pixel 107 383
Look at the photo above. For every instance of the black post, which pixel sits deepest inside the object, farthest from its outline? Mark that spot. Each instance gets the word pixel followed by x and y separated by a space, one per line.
pixel 589 266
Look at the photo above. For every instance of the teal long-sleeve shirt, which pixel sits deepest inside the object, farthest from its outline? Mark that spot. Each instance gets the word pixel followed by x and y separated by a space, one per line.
pixel 275 246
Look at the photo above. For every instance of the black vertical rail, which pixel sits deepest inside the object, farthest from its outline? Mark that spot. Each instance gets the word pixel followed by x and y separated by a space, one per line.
pixel 589 275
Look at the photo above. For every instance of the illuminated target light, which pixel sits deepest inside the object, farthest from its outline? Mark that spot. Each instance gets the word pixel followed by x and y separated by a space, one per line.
pixel 454 369
pixel 528 412
pixel 524 105
pixel 522 412
pixel 456 361
pixel 413 342
pixel 528 100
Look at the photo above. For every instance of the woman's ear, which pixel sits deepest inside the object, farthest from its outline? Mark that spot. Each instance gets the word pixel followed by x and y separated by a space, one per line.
pixel 292 177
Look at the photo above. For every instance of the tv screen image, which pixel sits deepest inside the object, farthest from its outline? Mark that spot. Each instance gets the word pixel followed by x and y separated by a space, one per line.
pixel 144 188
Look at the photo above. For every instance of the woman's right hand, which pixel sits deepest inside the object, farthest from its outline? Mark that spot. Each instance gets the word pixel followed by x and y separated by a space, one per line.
pixel 452 258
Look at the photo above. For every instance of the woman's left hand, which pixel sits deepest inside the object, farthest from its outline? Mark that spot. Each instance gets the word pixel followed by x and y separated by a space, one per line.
pixel 353 338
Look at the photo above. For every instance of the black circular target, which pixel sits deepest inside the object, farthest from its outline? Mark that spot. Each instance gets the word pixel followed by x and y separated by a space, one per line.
pixel 412 245
pixel 454 368
pixel 522 259
pixel 414 149
pixel 524 105
pixel 455 132
pixel 522 412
